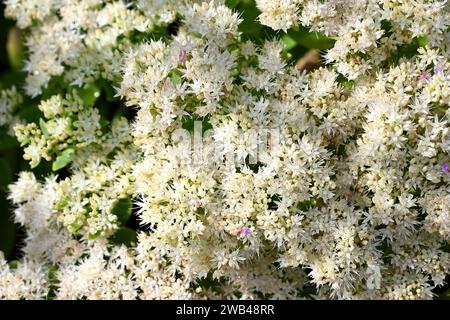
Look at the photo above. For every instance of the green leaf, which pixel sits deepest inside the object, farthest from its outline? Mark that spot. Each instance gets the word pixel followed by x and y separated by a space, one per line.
pixel 231 3
pixel 407 50
pixel 107 88
pixel 14 48
pixel 56 85
pixel 43 170
pixel 124 236
pixel 200 211
pixel 446 248
pixel 43 127
pixel 311 40
pixel 289 42
pixel 89 94
pixel 93 236
pixel 31 113
pixel 122 209
pixel 162 203
pixel 104 122
pixel 386 26
pixel 295 53
pixel 304 205
pixel 6 174
pixel 10 77
pixel 157 33
pixel 422 41
pixel 53 280
pixel 76 225
pixel 63 159
pixel 189 122
pixel 250 27
pixel 7 142
pixel 175 77
pixel 349 84
pixel 13 264
pixel 63 202
pixel 7 227
pixel 444 295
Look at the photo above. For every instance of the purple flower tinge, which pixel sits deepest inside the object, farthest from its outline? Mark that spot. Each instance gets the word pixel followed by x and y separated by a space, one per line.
pixel 183 56
pixel 445 168
pixel 424 76
pixel 437 69
pixel 245 231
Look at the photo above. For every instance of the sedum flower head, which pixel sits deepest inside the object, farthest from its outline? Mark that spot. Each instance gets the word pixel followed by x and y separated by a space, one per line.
pixel 247 177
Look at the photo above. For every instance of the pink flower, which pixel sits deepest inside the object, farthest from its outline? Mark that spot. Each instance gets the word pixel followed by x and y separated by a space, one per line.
pixel 245 231
pixel 437 69
pixel 424 76
pixel 183 56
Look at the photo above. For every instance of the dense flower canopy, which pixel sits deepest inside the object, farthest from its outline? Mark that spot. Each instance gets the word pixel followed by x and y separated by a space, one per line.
pixel 247 175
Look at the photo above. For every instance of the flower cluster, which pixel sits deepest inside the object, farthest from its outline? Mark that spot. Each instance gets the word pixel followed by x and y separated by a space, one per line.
pixel 10 100
pixel 366 32
pixel 249 177
pixel 101 161
pixel 75 40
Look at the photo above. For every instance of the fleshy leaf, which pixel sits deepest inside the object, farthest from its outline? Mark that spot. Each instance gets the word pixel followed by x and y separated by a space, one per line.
pixel 63 159
pixel 89 94
pixel 43 127
pixel 124 236
pixel 122 209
